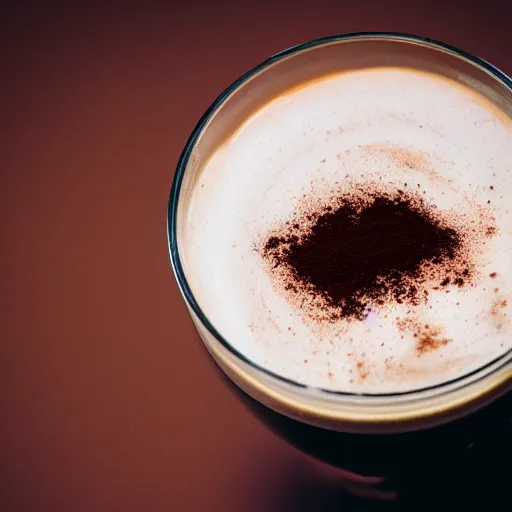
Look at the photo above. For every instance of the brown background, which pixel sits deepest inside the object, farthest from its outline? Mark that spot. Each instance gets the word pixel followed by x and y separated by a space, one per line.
pixel 107 401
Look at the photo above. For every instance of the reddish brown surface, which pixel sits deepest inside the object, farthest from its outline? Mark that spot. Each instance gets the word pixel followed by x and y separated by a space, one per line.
pixel 107 399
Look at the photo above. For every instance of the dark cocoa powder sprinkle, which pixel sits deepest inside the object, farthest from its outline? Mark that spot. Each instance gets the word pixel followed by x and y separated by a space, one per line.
pixel 364 250
pixel 430 341
pixel 427 337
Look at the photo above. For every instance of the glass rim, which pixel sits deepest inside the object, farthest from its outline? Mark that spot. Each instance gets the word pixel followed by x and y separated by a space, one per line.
pixel 499 362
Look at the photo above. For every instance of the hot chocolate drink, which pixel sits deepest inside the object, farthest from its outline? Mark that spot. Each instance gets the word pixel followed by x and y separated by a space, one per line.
pixel 354 233
pixel 339 229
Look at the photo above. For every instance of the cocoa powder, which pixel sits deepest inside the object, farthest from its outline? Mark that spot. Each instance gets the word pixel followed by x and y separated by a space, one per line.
pixel 365 249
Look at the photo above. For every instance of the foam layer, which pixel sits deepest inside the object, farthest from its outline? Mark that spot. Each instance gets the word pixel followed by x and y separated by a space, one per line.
pixel 383 130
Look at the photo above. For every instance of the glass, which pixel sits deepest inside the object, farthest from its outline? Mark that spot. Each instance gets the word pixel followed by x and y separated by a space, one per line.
pixel 449 437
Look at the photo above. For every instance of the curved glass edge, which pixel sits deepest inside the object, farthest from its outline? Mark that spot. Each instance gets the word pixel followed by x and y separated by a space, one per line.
pixel 356 414
pixel 175 261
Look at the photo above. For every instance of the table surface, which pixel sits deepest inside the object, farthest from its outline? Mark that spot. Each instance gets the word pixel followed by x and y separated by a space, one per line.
pixel 108 401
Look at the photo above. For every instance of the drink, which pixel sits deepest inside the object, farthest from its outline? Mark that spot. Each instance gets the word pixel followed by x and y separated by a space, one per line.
pixel 340 231
pixel 412 171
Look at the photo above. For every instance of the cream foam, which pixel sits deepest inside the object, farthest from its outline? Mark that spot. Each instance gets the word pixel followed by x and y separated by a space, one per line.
pixel 387 125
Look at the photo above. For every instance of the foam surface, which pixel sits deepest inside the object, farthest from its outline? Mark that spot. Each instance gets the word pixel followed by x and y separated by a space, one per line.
pixel 393 127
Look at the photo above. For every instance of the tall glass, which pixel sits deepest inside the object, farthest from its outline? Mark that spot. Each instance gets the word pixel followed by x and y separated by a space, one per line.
pixel 451 439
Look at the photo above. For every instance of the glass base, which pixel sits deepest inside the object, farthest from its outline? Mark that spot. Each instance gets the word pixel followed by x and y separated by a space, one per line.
pixel 481 484
pixel 372 488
